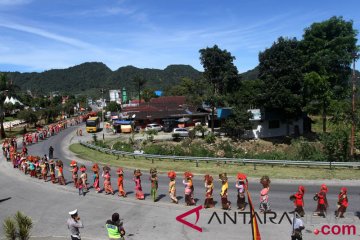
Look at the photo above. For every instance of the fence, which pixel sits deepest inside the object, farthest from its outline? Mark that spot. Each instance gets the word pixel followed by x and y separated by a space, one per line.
pixel 226 160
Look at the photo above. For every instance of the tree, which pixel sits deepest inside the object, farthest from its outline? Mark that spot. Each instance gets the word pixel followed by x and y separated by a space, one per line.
pixel 148 94
pixel 236 124
pixel 6 88
pixel 328 47
pixel 336 145
pixel 221 75
pixel 280 69
pixel 193 90
pixel 17 227
pixel 28 116
pixel 113 107
pixel 139 83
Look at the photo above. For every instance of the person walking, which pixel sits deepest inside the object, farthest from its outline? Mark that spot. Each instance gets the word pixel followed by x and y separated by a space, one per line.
pixel 297 227
pixel 115 228
pixel 51 152
pixel 74 224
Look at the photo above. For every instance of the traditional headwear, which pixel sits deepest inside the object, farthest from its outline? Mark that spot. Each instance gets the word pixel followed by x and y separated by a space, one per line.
pixel 188 175
pixel 119 171
pixel 106 169
pixel 82 168
pixel 137 173
pixel 241 176
pixel 73 163
pixel 265 181
pixel 324 188
pixel 95 167
pixel 301 189
pixel 172 174
pixel 223 177
pixel 153 171
pixel 59 163
pixel 208 178
pixel 51 161
pixel 344 190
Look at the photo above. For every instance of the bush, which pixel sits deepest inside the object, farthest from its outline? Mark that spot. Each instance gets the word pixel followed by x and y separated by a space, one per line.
pixel 122 146
pixel 198 150
pixel 336 145
pixel 210 138
pixel 18 226
pixel 305 150
pixel 101 144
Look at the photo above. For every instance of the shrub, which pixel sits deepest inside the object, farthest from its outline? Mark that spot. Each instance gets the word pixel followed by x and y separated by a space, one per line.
pixel 123 146
pixel 336 145
pixel 18 226
pixel 210 138
pixel 305 150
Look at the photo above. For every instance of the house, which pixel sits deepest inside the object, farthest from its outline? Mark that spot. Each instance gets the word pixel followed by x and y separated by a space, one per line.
pixel 272 123
pixel 162 109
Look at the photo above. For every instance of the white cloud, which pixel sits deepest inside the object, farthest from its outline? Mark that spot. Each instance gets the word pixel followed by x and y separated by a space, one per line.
pixel 43 33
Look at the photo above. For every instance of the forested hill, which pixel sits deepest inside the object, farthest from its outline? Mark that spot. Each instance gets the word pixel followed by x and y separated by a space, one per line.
pixel 88 78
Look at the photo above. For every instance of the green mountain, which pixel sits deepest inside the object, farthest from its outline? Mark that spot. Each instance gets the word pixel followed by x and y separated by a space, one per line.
pixel 88 78
pixel 251 74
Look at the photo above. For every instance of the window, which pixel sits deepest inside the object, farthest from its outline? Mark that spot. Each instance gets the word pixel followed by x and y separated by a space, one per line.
pixel 274 124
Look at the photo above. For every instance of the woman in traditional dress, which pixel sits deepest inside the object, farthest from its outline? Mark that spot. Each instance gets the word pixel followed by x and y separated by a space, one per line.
pixel 209 188
pixel 107 181
pixel 189 189
pixel 154 183
pixel 241 186
pixel 226 204
pixel 172 187
pixel 74 172
pixel 138 189
pixel 96 177
pixel 120 182
pixel 264 194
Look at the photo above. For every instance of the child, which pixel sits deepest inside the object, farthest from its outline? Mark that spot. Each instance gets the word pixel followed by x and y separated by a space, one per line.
pixel 120 182
pixel 226 204
pixel 74 172
pixel 96 184
pixel 107 181
pixel 80 187
pixel 154 183
pixel 241 187
pixel 189 189
pixel 209 188
pixel 138 189
pixel 322 205
pixel 343 203
pixel 264 194
pixel 61 178
pixel 298 199
pixel 172 187
pixel 52 171
pixel 83 178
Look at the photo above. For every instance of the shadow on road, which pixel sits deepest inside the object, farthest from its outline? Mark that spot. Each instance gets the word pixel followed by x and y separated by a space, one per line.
pixel 5 199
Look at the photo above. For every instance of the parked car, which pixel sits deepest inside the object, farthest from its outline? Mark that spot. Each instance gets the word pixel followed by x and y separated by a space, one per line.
pixel 153 126
pixel 181 132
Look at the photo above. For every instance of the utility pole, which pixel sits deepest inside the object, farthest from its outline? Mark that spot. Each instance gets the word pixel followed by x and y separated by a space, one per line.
pixel 353 123
pixel 102 112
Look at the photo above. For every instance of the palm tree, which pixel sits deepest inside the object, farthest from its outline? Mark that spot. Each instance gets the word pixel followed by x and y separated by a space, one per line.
pixel 9 227
pixel 18 226
pixel 24 225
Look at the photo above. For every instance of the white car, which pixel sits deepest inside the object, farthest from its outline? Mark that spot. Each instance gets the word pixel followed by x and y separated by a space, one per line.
pixel 182 132
pixel 154 126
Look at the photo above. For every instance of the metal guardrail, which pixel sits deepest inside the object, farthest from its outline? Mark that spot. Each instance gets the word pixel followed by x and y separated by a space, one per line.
pixel 243 161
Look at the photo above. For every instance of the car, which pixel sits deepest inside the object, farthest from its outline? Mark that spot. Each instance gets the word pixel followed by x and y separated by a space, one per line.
pixel 154 126
pixel 182 132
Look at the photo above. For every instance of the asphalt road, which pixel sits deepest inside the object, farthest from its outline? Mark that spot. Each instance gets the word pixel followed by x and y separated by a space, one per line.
pixel 48 204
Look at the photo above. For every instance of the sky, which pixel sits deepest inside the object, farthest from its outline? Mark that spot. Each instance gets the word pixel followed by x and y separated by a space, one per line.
pixel 38 35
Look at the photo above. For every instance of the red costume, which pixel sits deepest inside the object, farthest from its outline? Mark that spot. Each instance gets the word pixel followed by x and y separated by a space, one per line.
pixel 120 182
pixel 96 184
pixel 298 199
pixel 322 205
pixel 138 189
pixel 343 202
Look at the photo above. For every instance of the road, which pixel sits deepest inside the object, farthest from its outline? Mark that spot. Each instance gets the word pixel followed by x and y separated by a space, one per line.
pixel 48 204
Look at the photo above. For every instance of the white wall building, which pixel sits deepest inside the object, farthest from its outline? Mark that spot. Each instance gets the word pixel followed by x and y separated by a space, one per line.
pixel 115 96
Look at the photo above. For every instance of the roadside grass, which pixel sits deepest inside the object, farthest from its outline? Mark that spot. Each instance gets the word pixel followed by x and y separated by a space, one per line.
pixel 276 172
pixel 18 131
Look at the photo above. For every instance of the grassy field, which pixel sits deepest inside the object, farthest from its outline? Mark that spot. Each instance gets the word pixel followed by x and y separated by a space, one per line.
pixel 213 168
pixel 18 131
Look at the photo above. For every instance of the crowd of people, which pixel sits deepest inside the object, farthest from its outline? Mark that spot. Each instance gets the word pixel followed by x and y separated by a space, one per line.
pixel 43 167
